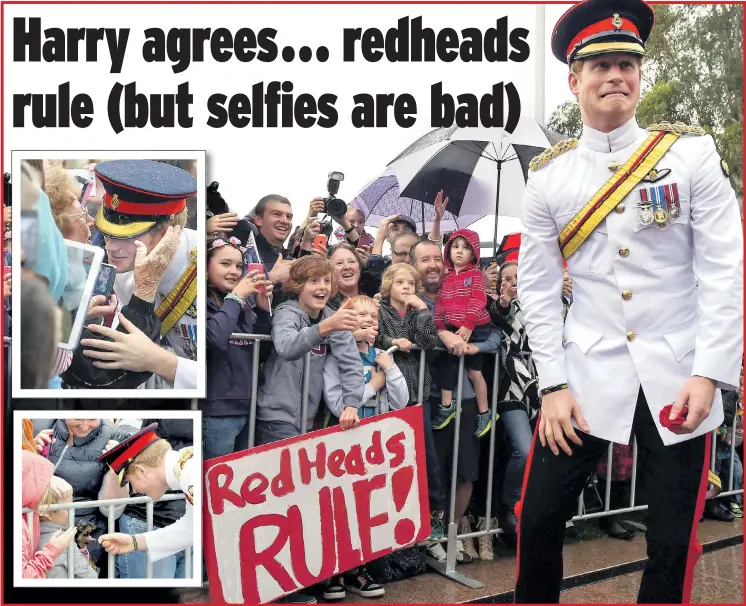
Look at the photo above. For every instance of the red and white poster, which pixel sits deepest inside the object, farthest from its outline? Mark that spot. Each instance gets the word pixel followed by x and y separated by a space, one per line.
pixel 287 515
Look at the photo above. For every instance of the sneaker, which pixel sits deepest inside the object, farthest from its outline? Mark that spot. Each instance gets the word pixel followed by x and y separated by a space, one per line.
pixel 437 527
pixel 463 555
pixel 444 416
pixel 334 589
pixel 361 583
pixel 484 543
pixel 436 552
pixel 736 510
pixel 484 423
pixel 296 598
pixel 464 527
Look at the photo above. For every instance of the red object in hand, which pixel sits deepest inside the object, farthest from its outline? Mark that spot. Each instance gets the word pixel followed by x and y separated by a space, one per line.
pixel 260 268
pixel 676 422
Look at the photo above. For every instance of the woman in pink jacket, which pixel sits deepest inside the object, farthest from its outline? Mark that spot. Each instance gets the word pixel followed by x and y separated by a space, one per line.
pixel 36 487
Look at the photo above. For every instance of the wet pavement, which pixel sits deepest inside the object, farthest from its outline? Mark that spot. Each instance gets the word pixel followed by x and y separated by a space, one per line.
pixel 718 575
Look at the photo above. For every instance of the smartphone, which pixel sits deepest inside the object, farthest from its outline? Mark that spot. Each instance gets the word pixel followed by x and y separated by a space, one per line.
pixel 83 266
pixel 319 242
pixel 105 281
pixel 256 267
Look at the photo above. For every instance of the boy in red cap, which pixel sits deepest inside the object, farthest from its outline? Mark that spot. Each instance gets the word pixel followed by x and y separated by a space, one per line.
pixel 461 308
pixel 151 467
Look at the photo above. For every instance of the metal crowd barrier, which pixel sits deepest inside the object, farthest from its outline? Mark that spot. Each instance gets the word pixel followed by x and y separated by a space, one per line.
pixel 110 504
pixel 448 568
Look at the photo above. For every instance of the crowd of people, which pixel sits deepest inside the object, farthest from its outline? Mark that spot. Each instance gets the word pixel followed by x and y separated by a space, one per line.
pixel 61 463
pixel 349 304
pixel 364 316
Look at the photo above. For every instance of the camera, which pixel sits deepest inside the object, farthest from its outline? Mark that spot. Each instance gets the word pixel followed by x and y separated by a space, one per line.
pixel 216 204
pixel 7 190
pixel 334 206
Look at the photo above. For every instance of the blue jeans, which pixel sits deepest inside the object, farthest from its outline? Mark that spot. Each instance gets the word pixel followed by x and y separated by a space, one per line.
pixel 518 429
pixel 224 435
pixel 134 565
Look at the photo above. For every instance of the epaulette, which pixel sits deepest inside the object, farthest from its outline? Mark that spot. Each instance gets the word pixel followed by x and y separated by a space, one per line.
pixel 551 153
pixel 678 128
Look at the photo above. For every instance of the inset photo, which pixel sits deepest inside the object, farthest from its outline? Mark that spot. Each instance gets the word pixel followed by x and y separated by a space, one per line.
pixel 102 264
pixel 108 501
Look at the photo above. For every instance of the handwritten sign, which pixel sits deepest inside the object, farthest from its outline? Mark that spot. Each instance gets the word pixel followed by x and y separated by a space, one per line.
pixel 287 515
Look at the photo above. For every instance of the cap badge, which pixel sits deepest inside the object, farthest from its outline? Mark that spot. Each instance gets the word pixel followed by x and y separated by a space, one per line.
pixel 616 21
pixel 115 201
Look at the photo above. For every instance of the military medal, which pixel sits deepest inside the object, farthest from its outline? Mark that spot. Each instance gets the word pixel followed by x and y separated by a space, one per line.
pixel 671 193
pixel 645 208
pixel 189 336
pixel 659 206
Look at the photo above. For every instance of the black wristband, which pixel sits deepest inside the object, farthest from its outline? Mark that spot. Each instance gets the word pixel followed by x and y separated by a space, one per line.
pixel 349 231
pixel 552 389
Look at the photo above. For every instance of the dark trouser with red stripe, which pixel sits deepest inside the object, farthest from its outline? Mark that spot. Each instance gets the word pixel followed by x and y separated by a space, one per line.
pixel 674 488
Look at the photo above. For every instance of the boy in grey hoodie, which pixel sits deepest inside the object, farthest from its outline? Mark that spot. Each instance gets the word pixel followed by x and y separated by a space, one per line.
pixel 51 522
pixel 300 325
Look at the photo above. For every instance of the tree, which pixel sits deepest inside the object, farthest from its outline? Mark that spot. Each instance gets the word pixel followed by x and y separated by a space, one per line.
pixel 693 73
pixel 566 120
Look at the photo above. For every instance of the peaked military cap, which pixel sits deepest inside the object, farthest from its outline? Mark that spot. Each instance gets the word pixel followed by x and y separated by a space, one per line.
pixel 140 194
pixel 119 458
pixel 596 27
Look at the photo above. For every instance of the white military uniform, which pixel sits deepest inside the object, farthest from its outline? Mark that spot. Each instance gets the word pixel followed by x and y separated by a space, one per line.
pixel 182 473
pixel 652 306
pixel 183 336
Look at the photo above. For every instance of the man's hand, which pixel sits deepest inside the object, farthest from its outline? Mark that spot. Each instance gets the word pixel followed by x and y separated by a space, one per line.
pixel 471 349
pixel 440 206
pixel 98 307
pixel 281 271
pixel 42 439
pixel 132 350
pixel 312 230
pixel 384 360
pixel 150 267
pixel 342 319
pixel 221 223
pixel 349 418
pixel 315 207
pixel 366 335
pixel 464 333
pixel 117 543
pixel 455 345
pixel 567 287
pixel 402 344
pixel 7 286
pixel 557 410
pixel 697 394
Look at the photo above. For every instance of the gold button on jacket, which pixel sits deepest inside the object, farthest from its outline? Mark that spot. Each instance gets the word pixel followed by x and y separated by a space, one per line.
pixel 624 252
pixel 626 295
pixel 631 336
